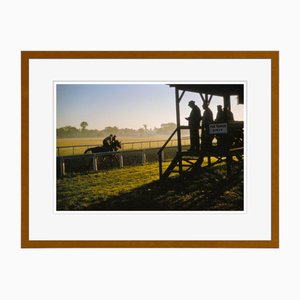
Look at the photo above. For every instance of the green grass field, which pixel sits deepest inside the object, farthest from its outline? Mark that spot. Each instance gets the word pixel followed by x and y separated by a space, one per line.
pixel 80 191
pixel 138 188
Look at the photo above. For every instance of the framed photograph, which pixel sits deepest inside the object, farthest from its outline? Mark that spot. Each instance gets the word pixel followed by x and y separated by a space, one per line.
pixel 150 149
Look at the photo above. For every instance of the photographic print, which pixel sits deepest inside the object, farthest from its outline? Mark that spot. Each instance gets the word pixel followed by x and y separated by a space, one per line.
pixel 150 146
pixel 150 149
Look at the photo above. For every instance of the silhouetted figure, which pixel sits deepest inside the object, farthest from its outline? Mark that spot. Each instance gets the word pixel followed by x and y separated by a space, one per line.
pixel 224 141
pixel 206 138
pixel 228 115
pixel 107 141
pixel 220 114
pixel 194 125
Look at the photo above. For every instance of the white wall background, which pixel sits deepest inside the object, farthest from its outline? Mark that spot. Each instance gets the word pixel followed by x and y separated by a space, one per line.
pixel 148 273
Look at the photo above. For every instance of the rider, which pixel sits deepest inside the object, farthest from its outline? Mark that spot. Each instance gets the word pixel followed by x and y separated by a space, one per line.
pixel 107 141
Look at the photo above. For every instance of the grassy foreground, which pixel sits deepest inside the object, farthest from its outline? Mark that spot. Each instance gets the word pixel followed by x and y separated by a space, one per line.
pixel 138 188
pixel 80 191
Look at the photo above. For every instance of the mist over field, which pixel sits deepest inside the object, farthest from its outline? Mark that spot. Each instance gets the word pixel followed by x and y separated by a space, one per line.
pixel 144 131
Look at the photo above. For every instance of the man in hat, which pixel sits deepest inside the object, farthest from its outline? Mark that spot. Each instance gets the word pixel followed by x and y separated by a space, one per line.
pixel 206 138
pixel 229 115
pixel 194 125
pixel 220 114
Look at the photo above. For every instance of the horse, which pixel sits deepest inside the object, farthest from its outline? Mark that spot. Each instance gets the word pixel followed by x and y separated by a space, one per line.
pixel 113 147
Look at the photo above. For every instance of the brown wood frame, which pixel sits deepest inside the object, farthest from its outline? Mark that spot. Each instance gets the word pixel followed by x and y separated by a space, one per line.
pixel 27 55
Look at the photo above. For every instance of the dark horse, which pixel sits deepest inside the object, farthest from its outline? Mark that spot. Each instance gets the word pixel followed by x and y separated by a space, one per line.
pixel 114 147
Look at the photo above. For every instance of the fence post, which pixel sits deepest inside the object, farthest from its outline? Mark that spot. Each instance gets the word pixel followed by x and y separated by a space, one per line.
pixel 121 161
pixel 62 167
pixel 143 157
pixel 95 167
pixel 163 155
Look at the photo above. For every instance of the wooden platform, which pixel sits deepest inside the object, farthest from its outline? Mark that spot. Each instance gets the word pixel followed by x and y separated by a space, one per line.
pixel 191 161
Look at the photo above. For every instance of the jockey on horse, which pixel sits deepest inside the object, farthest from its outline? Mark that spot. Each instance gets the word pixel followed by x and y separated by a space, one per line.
pixel 110 144
pixel 107 142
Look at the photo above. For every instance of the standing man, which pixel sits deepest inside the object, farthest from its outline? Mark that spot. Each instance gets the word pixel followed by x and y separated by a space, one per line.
pixel 228 115
pixel 194 125
pixel 206 138
pixel 220 114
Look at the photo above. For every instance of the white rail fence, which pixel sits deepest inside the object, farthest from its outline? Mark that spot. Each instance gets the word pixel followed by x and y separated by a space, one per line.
pixel 142 153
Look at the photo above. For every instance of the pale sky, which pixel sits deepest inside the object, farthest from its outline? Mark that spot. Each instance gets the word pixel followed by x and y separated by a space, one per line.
pixel 126 105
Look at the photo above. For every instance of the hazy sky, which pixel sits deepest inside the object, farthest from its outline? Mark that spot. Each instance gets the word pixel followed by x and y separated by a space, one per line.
pixel 125 105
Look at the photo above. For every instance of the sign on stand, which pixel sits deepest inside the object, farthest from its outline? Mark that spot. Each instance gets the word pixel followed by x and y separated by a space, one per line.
pixel 218 128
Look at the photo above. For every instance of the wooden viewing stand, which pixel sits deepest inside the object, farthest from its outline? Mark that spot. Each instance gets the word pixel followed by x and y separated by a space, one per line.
pixel 187 161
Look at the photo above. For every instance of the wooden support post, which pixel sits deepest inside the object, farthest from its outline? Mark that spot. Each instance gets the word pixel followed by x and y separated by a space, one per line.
pixel 95 166
pixel 177 99
pixel 121 161
pixel 228 163
pixel 227 105
pixel 160 164
pixel 202 97
pixel 180 96
pixel 163 155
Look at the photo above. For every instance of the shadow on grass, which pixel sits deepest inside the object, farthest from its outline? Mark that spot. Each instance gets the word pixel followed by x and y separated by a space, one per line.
pixel 209 190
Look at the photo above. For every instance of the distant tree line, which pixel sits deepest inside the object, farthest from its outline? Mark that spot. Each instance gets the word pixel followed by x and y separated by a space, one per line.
pixel 72 132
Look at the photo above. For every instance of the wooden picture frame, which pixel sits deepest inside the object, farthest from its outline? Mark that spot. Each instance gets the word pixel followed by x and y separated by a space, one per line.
pixel 29 56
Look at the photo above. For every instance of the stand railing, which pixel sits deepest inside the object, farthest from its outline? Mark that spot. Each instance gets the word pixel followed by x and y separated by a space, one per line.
pixel 160 152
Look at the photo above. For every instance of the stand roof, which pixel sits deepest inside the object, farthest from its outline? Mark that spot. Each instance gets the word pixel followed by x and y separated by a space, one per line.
pixel 214 89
